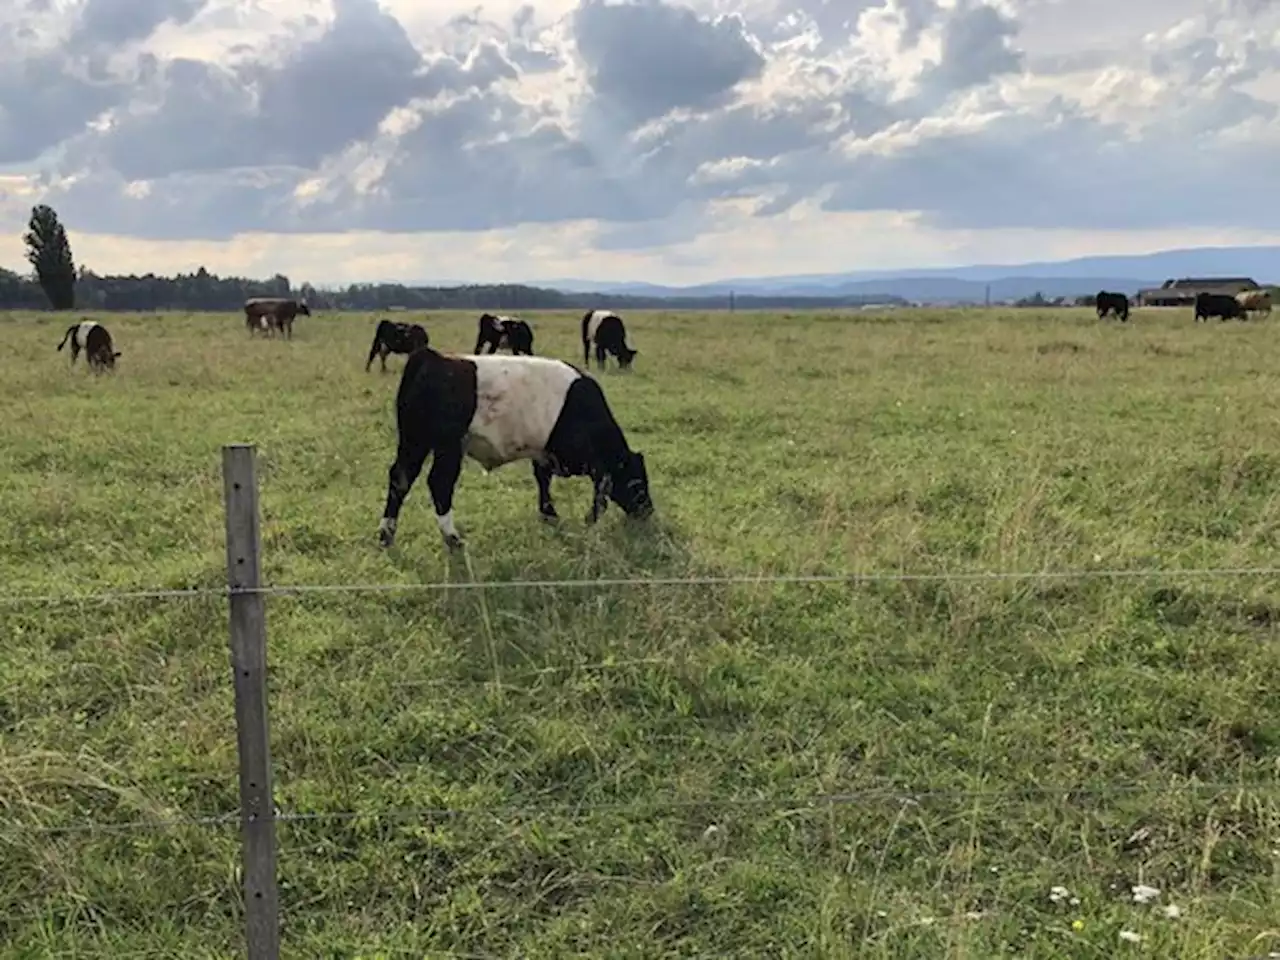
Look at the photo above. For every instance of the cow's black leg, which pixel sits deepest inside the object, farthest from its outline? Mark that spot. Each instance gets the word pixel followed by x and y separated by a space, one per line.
pixel 400 479
pixel 373 352
pixel 600 354
pixel 443 477
pixel 382 355
pixel 600 501
pixel 542 474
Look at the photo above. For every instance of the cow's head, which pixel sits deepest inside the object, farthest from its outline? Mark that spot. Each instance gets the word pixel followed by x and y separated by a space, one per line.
pixel 304 310
pixel 625 356
pixel 629 487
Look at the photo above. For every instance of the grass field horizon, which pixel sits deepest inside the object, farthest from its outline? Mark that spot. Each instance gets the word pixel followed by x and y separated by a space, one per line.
pixel 631 770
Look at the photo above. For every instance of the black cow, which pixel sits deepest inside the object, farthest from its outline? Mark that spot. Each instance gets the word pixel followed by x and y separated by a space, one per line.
pixel 93 338
pixel 1116 303
pixel 395 338
pixel 498 332
pixel 496 410
pixel 606 330
pixel 1221 305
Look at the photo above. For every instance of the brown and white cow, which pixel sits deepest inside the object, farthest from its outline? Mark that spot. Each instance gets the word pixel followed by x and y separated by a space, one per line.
pixel 93 338
pixel 497 409
pixel 1257 301
pixel 278 312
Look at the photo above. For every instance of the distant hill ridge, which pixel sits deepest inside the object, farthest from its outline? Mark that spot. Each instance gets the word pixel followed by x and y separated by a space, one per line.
pixel 1062 278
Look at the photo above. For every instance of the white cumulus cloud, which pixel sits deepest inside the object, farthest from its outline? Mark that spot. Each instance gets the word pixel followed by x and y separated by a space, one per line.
pixel 641 135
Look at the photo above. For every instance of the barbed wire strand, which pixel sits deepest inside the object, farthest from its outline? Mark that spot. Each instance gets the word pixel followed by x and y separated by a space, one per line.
pixel 609 582
pixel 902 795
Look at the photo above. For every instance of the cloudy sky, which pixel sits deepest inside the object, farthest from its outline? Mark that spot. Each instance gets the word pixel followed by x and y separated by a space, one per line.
pixel 345 140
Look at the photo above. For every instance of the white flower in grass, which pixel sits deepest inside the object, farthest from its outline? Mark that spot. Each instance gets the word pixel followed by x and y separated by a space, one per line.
pixel 1058 894
pixel 1173 911
pixel 1144 894
pixel 1130 937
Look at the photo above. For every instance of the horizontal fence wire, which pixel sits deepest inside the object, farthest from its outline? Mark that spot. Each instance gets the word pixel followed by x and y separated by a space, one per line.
pixel 968 576
pixel 1062 793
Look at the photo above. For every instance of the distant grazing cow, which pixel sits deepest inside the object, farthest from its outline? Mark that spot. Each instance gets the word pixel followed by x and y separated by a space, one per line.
pixel 508 332
pixel 1116 303
pixel 1220 305
pixel 1256 300
pixel 395 338
pixel 279 313
pixel 93 338
pixel 606 330
pixel 496 410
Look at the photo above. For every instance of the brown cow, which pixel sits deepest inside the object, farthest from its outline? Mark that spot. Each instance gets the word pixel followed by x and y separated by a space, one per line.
pixel 1256 300
pixel 278 312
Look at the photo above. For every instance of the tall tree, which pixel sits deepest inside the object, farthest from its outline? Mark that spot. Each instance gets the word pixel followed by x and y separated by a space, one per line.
pixel 49 251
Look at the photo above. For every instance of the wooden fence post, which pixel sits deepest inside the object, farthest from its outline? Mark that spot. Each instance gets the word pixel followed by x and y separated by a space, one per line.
pixel 248 624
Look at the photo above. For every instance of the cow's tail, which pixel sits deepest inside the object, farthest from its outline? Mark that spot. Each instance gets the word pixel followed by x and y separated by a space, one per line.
pixel 66 336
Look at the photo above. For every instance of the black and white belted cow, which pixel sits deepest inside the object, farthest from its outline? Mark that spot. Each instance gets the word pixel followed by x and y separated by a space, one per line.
pixel 93 338
pixel 495 332
pixel 395 338
pixel 605 329
pixel 498 409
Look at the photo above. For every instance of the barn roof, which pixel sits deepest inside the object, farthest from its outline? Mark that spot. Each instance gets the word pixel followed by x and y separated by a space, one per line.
pixel 1193 282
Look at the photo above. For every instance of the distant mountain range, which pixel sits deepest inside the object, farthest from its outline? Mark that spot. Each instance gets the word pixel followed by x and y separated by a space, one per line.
pixel 1062 278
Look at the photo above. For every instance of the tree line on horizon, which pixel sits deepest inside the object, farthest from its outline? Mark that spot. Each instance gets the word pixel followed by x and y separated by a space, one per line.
pixel 57 283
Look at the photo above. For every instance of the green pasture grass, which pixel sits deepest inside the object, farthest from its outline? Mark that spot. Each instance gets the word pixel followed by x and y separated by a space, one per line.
pixel 631 769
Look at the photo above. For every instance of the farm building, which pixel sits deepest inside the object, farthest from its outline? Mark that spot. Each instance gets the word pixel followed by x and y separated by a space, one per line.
pixel 1182 293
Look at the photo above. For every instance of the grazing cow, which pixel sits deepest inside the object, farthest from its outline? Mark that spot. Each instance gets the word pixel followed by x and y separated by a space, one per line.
pixel 1220 305
pixel 93 338
pixel 606 330
pixel 395 338
pixel 1257 300
pixel 498 332
pixel 1116 303
pixel 496 410
pixel 279 313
